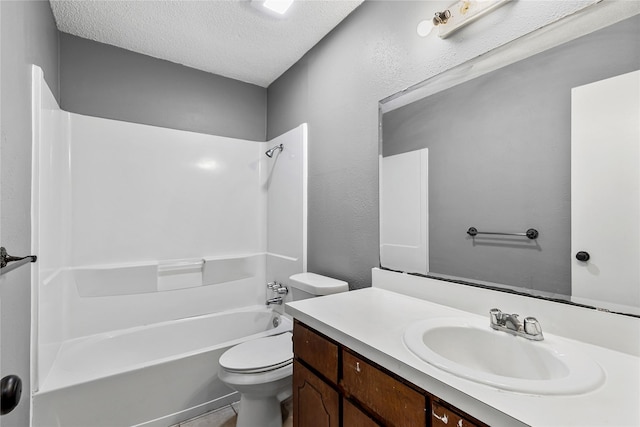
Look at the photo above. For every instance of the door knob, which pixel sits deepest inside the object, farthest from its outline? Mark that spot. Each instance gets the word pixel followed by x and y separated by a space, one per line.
pixel 583 256
pixel 10 392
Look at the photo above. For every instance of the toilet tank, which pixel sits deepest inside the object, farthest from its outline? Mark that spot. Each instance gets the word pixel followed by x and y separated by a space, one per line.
pixel 309 285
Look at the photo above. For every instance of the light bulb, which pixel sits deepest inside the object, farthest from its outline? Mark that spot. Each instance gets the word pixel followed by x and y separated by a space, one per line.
pixel 425 27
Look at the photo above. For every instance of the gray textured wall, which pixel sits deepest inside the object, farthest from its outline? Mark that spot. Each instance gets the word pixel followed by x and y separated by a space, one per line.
pixel 499 160
pixel 106 81
pixel 28 36
pixel 336 87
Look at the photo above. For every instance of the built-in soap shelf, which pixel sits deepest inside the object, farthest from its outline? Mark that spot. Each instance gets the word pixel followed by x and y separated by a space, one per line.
pixel 179 274
pixel 160 276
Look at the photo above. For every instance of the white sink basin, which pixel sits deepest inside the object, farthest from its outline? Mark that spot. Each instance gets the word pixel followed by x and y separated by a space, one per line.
pixel 469 348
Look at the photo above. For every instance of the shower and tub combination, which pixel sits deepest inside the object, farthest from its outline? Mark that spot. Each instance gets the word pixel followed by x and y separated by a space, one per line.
pixel 155 247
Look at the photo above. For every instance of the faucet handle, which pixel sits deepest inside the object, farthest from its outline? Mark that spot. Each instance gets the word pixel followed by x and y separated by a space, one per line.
pixel 273 285
pixel 532 327
pixel 495 315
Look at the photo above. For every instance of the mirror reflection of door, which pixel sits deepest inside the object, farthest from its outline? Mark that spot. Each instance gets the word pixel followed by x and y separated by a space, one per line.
pixel 404 211
pixel 605 190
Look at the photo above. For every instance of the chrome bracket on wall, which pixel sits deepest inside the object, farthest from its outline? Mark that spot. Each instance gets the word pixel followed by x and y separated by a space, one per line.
pixel 5 259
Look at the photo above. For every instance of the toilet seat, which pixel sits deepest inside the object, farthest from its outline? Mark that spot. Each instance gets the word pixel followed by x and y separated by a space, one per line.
pixel 259 355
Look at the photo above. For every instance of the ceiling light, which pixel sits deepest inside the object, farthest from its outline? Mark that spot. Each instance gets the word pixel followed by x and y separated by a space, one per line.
pixel 278 6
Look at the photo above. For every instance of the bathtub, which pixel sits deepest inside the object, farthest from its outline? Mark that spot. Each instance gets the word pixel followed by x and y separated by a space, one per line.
pixel 154 375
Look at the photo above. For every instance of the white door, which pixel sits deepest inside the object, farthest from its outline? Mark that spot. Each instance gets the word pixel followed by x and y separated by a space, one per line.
pixel 404 212
pixel 605 190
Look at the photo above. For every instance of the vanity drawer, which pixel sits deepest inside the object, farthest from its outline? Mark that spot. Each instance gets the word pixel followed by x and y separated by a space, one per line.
pixel 444 417
pixel 316 351
pixel 391 400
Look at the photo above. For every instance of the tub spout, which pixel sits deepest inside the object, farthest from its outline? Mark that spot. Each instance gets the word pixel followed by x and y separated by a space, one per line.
pixel 275 300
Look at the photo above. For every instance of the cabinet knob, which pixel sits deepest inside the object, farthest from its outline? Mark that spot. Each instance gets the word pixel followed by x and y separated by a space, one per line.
pixel 358 367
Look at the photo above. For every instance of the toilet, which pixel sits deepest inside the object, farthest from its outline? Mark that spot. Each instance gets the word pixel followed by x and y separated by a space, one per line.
pixel 261 370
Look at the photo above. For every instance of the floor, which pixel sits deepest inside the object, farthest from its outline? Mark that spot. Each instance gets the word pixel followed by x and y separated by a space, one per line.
pixel 226 417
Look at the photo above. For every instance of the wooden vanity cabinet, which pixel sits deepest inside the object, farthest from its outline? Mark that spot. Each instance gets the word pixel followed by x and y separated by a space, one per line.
pixel 316 400
pixel 384 396
pixel 354 416
pixel 334 386
pixel 441 416
pixel 315 403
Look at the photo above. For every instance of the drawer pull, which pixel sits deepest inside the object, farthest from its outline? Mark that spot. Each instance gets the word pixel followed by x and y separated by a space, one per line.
pixel 460 424
pixel 358 367
pixel 442 418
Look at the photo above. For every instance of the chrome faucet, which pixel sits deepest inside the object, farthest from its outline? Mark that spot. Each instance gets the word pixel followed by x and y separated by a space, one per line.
pixel 281 291
pixel 510 323
pixel 273 285
pixel 275 300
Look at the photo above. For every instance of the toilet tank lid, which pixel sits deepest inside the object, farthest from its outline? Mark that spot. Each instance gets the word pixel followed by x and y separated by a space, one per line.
pixel 317 284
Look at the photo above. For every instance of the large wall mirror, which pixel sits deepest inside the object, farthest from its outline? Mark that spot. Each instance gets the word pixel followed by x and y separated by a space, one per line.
pixel 520 170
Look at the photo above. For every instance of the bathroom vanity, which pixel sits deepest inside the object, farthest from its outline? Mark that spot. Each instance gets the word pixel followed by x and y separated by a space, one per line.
pixel 353 368
pixel 328 374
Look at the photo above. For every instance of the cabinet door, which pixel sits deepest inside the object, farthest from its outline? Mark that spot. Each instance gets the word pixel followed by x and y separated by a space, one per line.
pixel 315 403
pixel 354 417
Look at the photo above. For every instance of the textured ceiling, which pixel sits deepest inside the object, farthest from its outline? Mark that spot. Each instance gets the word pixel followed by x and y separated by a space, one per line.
pixel 231 38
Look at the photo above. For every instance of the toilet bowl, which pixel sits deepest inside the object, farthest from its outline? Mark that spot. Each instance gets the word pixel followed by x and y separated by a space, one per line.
pixel 261 370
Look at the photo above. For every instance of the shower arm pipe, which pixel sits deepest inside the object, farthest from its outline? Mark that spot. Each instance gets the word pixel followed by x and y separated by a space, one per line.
pixel 5 259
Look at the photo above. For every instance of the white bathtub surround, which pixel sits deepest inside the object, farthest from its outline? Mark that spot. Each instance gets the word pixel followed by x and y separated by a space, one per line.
pixel 227 416
pixel 137 227
pixel 102 355
pixel 373 321
pixel 95 374
pixel 286 193
pixel 223 417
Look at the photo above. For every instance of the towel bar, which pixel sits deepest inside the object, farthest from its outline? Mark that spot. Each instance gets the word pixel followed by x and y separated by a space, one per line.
pixel 531 233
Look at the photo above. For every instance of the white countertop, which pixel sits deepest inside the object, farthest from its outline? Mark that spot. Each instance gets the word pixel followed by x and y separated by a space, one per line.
pixel 372 322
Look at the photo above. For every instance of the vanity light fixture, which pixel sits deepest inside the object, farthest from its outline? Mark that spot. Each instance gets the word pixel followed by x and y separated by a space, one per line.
pixel 457 16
